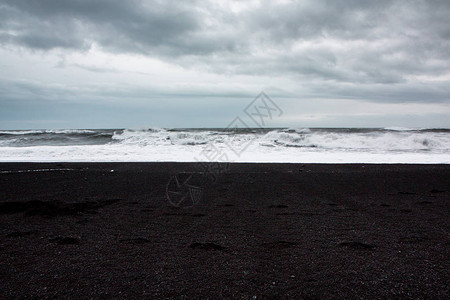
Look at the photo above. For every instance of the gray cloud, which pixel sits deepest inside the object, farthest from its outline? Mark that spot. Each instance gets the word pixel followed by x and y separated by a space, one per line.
pixel 118 25
pixel 372 50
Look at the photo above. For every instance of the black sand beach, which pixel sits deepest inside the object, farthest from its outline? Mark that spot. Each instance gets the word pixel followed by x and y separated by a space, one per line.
pixel 260 230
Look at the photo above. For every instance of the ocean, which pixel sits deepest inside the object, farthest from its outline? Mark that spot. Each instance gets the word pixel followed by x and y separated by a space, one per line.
pixel 288 145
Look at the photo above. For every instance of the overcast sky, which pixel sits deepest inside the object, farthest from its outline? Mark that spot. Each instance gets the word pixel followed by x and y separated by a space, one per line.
pixel 144 63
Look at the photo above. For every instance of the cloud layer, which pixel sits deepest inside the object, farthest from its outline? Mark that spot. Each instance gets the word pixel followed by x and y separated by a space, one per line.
pixel 378 51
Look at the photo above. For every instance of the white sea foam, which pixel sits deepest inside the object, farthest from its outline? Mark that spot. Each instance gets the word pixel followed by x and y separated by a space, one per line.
pixel 54 131
pixel 404 128
pixel 281 145
pixel 69 131
pixel 21 132
pixel 370 141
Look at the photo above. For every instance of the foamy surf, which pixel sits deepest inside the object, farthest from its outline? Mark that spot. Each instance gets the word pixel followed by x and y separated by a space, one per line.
pixel 286 145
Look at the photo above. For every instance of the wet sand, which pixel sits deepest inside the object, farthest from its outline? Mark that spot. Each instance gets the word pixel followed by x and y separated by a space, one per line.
pixel 266 230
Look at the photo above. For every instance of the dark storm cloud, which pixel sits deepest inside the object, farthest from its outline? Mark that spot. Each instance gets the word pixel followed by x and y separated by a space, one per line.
pixel 120 25
pixel 306 19
pixel 419 23
pixel 350 41
pixel 322 43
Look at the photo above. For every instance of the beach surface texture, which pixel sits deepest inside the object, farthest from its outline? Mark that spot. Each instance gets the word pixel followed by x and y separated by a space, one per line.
pixel 173 230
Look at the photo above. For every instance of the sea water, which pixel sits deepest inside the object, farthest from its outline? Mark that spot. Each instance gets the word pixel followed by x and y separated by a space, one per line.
pixel 289 145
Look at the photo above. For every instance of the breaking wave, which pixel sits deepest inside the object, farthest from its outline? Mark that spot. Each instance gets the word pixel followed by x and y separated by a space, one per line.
pixel 286 144
pixel 385 140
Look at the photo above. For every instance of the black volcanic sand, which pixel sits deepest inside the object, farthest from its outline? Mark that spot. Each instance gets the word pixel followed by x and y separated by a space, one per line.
pixel 266 230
